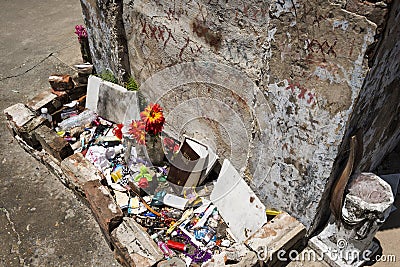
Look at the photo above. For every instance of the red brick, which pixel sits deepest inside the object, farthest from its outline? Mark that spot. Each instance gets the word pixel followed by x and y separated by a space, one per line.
pixel 61 82
pixel 46 100
pixel 107 213
pixel 52 143
pixel 133 246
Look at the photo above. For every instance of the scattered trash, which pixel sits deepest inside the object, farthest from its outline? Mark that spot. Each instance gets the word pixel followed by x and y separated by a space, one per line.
pixel 272 212
pixel 191 166
pixel 175 201
pixel 45 114
pixel 83 118
pixel 186 217
pixel 71 104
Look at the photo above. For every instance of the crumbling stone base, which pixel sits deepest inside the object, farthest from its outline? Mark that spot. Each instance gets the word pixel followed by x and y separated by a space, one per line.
pixel 132 245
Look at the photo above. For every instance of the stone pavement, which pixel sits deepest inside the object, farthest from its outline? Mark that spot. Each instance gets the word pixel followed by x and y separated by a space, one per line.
pixel 42 222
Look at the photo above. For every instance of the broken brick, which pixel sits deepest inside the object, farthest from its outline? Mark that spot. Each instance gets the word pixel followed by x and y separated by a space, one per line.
pixel 174 261
pixel 84 69
pixel 79 170
pixel 19 115
pixel 134 245
pixel 281 233
pixel 77 92
pixel 59 93
pixel 27 131
pixel 61 82
pixel 107 213
pixel 22 122
pixel 46 100
pixel 52 143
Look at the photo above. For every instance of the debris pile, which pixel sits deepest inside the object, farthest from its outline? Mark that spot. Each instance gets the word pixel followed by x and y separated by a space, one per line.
pixel 157 199
pixel 176 202
pixel 182 221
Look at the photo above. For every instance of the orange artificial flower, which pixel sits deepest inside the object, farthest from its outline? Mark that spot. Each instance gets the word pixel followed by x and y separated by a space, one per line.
pixel 117 131
pixel 153 118
pixel 170 145
pixel 137 129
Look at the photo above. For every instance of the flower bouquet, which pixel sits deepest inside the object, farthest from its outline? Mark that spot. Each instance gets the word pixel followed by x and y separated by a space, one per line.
pixel 147 130
pixel 81 32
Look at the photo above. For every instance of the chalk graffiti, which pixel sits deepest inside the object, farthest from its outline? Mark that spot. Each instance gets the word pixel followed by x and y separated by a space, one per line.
pixel 161 33
pixel 313 14
pixel 164 35
pixel 170 36
pixel 184 47
pixel 304 92
pixel 252 11
pixel 153 30
pixel 174 13
pixel 144 24
pixel 315 46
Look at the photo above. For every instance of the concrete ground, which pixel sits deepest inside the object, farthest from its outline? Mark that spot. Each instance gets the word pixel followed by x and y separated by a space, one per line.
pixel 42 222
pixel 389 233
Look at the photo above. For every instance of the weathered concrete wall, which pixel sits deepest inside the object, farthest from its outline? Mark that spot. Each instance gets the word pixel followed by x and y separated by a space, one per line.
pixel 274 90
pixel 375 114
pixel 377 111
pixel 107 40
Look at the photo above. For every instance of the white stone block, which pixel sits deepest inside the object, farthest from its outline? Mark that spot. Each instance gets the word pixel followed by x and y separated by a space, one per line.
pixel 112 101
pixel 238 205
pixel 92 92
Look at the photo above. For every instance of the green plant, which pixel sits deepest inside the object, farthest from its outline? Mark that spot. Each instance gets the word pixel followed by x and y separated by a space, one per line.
pixel 108 76
pixel 131 84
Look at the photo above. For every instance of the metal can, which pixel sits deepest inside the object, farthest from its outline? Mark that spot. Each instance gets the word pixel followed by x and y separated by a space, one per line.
pixel 176 245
